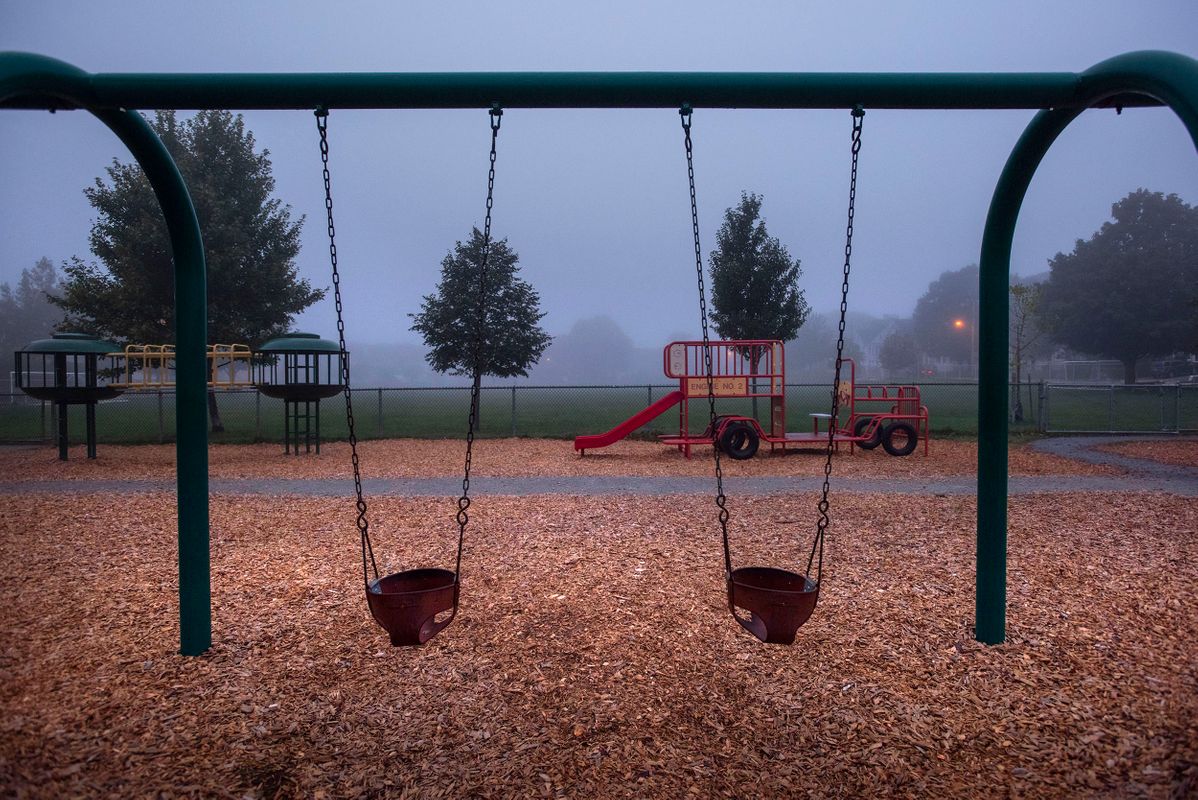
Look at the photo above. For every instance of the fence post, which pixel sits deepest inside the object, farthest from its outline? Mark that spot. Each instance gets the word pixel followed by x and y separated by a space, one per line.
pixel 380 412
pixel 1177 408
pixel 513 410
pixel 1042 399
pixel 161 423
pixel 1110 422
pixel 649 395
pixel 257 416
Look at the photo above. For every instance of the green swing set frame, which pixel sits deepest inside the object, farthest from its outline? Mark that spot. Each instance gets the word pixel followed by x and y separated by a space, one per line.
pixel 1149 78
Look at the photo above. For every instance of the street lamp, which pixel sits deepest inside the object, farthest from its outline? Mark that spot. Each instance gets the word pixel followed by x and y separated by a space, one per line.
pixel 961 324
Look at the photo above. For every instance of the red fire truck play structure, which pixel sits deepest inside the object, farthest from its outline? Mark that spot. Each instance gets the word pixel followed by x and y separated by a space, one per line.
pixel 889 415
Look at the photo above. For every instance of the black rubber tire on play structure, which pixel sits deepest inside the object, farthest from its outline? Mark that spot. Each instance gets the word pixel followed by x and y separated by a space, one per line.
pixel 713 425
pixel 859 430
pixel 739 441
pixel 908 439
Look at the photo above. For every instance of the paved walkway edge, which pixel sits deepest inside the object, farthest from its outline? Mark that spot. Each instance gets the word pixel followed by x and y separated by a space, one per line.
pixel 1142 476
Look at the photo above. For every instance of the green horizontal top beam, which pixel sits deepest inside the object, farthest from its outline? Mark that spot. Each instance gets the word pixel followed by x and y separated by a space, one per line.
pixel 48 83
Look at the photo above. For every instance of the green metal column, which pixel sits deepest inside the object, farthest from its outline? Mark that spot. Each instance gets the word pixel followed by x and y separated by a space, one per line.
pixel 1164 77
pixel 191 373
pixel 54 84
pixel 993 282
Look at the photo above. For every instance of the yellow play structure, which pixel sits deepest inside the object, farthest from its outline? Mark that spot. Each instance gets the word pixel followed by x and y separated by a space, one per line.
pixel 152 366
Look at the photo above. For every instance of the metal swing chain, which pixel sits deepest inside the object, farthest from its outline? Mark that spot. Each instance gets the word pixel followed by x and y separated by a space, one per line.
pixel 833 422
pixel 720 500
pixel 479 321
pixel 322 122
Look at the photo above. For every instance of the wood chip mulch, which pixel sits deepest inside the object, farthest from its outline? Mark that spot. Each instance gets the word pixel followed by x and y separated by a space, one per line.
pixel 1181 452
pixel 413 458
pixel 593 655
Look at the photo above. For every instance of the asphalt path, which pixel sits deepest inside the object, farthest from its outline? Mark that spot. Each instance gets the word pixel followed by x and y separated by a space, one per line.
pixel 1141 476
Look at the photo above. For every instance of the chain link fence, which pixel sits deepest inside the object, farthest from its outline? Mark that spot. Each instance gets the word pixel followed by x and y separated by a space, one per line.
pixel 532 411
pixel 1120 409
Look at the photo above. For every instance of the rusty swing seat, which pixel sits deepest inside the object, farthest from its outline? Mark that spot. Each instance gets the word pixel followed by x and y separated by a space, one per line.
pixel 407 604
pixel 778 602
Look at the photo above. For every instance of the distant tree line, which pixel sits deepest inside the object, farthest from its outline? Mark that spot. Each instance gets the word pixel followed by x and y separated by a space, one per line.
pixel 26 313
pixel 1128 292
pixel 1131 290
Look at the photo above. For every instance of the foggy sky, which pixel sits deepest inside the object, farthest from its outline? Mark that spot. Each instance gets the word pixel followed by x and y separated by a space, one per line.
pixel 595 201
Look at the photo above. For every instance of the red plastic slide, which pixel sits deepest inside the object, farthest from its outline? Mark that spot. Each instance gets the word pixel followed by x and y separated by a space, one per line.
pixel 629 425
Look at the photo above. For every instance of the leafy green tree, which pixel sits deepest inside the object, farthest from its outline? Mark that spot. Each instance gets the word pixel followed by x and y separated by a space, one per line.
pixel 250 244
pixel 945 319
pixel 26 312
pixel 755 290
pixel 1128 291
pixel 512 341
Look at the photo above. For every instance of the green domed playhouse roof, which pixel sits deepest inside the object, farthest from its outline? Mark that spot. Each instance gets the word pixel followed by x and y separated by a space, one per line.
pixel 71 343
pixel 296 342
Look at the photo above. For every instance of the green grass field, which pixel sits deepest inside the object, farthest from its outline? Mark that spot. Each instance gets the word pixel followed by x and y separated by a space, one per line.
pixel 564 412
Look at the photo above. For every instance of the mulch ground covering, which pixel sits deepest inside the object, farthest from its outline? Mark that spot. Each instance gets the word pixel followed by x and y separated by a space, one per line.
pixel 1182 452
pixel 410 458
pixel 593 655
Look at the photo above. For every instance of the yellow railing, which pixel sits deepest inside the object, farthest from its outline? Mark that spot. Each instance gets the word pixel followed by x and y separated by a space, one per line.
pixel 144 366
pixel 235 360
pixel 152 366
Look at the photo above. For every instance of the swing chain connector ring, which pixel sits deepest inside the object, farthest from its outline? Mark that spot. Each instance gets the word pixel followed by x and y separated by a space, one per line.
pixel 858 120
pixel 496 113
